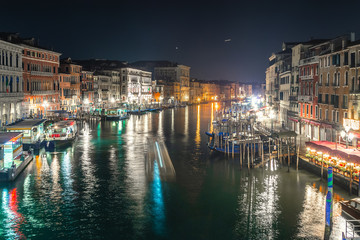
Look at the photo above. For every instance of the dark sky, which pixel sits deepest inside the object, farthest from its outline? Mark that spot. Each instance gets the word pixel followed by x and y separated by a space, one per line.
pixel 192 33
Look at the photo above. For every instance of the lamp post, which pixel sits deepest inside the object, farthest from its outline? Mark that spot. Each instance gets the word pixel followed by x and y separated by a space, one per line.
pixel 348 137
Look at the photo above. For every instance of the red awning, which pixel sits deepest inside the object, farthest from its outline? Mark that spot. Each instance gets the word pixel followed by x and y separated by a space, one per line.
pixel 293 119
pixel 349 154
pixel 310 122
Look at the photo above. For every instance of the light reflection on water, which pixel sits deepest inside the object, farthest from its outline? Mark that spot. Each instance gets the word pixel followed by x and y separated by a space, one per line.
pixel 97 188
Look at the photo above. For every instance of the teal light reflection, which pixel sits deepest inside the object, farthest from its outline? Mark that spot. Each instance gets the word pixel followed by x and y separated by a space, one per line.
pixel 158 209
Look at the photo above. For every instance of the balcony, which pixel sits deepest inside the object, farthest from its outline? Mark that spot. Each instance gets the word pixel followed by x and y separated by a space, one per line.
pixel 309 60
pixel 48 92
pixel 293 98
pixel 44 74
pixel 12 95
pixel 307 77
pixel 75 85
pixel 305 98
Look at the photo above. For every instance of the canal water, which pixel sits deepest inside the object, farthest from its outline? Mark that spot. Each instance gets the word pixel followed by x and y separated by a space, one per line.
pixel 98 189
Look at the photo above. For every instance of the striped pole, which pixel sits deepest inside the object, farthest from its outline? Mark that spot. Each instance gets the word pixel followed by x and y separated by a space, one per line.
pixel 329 205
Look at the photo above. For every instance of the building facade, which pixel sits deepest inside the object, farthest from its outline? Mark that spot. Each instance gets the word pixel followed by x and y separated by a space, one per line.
pixel 41 80
pixel 11 83
pixel 136 86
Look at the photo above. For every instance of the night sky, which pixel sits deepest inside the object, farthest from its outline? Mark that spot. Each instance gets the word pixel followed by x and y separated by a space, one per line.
pixel 191 33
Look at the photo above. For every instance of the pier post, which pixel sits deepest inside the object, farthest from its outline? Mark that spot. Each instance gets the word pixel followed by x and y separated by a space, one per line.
pixel 280 149
pixel 297 158
pixel 233 149
pixel 248 156
pixel 322 166
pixel 329 205
pixel 262 154
pixel 351 178
pixel 288 147
pixel 240 151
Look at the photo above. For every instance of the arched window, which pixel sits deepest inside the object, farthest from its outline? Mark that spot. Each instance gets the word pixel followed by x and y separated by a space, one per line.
pixel 11 84
pixel 328 79
pixel 7 84
pixel 338 79
pixel 17 60
pixel 17 84
pixel 346 83
pixel 11 59
pixel 7 60
pixel 3 58
pixel 3 87
pixel 27 86
pixel 320 82
pixel 353 84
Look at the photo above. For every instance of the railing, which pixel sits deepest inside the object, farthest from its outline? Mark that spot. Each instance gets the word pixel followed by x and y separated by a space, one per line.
pixel 305 98
pixel 37 73
pixel 293 98
pixel 14 69
pixel 49 92
pixel 309 60
pixel 14 94
pixel 352 229
pixel 307 77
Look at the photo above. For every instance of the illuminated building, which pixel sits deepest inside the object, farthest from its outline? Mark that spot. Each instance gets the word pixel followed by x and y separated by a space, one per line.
pixel 70 74
pixel 136 86
pixel 11 82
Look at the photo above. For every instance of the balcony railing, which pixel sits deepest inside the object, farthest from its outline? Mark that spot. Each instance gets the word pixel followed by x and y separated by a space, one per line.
pixel 48 92
pixel 293 98
pixel 307 77
pixel 38 73
pixel 309 60
pixel 14 94
pixel 305 98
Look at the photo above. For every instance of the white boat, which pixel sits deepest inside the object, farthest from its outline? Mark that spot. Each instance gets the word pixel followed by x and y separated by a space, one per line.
pixel 61 133
pixel 115 114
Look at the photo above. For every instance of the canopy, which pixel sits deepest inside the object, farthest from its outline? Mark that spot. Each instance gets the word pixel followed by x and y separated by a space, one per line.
pixel 349 154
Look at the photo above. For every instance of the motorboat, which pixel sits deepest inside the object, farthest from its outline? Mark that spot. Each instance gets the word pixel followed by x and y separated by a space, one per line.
pixel 61 133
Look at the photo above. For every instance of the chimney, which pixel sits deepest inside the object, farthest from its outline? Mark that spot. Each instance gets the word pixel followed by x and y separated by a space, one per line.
pixel 352 36
pixel 344 43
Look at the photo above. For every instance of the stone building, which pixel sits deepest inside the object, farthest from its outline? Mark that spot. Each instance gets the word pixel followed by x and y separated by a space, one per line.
pixel 11 82
pixel 70 78
pixel 136 86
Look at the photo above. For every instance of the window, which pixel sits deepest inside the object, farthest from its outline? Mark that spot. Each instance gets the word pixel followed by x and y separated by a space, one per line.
pixel 320 82
pixel 345 114
pixel 320 98
pixel 346 58
pixel 326 98
pixel 328 61
pixel 327 80
pixel 346 78
pixel 316 111
pixel 333 115
pixel 345 101
pixel 338 79
pixel 316 89
pixel 337 116
pixel 303 108
pixel 320 113
pixel 311 110
pixel 334 80
pixel 326 114
pixel 307 109
pixel 352 59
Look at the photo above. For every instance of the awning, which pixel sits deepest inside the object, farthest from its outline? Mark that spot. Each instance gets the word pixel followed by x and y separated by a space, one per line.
pixel 349 154
pixel 311 122
pixel 293 119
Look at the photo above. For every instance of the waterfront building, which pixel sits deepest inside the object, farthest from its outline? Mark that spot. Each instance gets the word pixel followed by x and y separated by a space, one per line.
pixel 11 82
pixel 195 91
pixel 157 91
pixel 176 73
pixel 87 90
pixel 70 75
pixel 115 85
pixel 136 86
pixel 41 79
pixel 333 96
pixel 103 90
pixel 245 90
pixel 306 70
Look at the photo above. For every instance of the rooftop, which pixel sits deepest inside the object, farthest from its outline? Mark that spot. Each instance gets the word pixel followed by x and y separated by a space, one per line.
pixel 27 123
pixel 6 137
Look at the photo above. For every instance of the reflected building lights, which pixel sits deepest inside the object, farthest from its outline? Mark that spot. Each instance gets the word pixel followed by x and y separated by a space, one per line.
pixel 212 118
pixel 158 207
pixel 197 136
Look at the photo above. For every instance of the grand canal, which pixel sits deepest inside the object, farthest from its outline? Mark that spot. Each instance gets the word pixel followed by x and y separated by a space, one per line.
pixel 98 189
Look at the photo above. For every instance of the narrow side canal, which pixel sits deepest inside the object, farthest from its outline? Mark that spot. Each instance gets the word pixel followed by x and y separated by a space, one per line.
pixel 98 189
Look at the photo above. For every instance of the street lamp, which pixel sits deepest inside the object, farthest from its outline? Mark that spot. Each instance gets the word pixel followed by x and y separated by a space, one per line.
pixel 348 137
pixel 45 105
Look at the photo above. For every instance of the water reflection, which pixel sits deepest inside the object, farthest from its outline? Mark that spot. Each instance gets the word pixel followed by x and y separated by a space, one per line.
pixel 12 218
pixel 98 189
